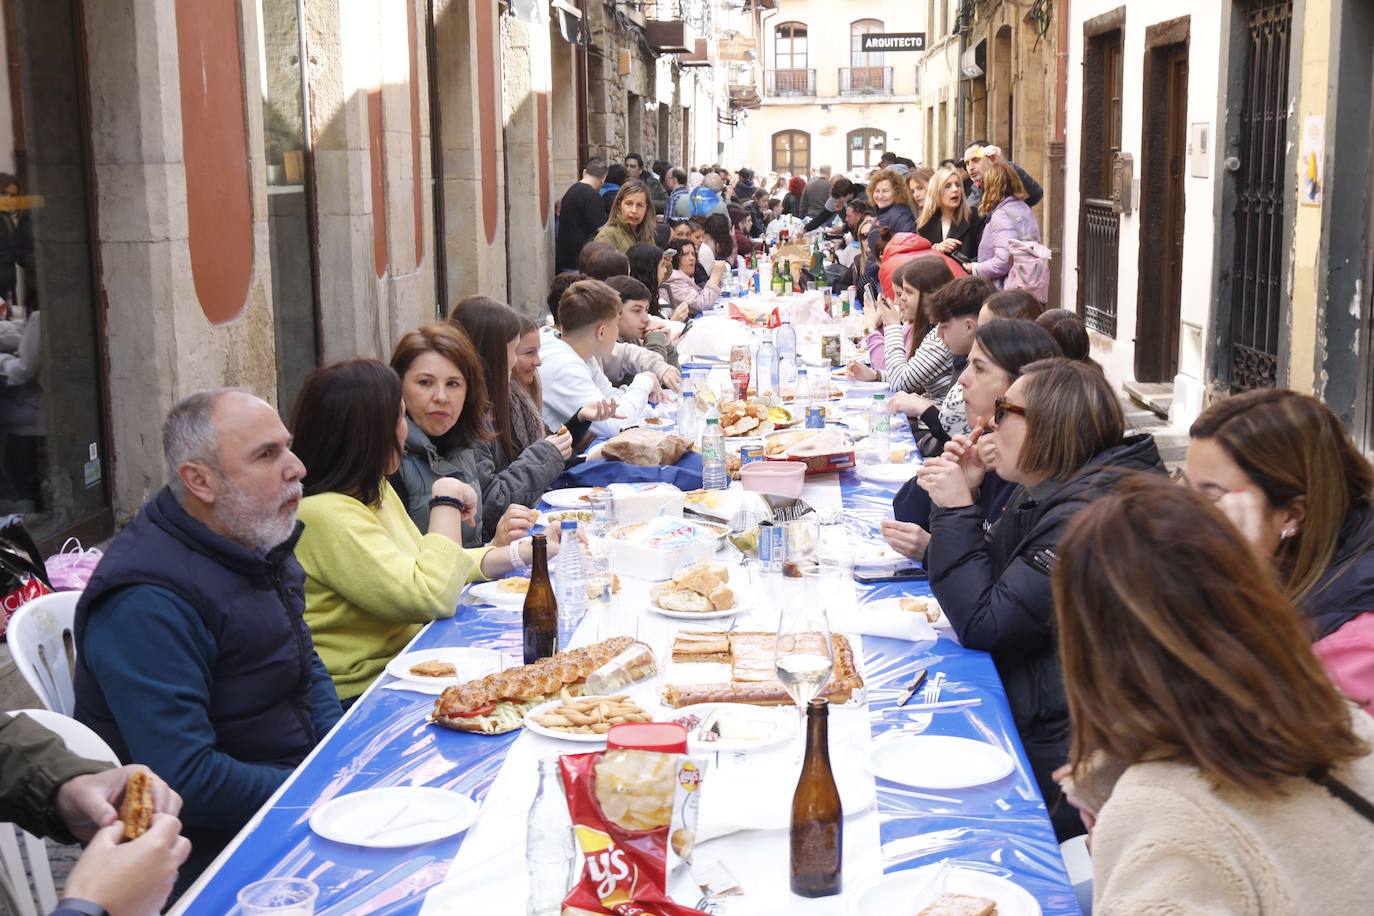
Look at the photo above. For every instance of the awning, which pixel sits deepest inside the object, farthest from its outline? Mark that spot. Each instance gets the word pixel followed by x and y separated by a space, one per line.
pixel 569 22
pixel 974 61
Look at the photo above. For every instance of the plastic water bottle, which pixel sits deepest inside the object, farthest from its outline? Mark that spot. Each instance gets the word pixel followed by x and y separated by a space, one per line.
pixel 766 369
pixel 549 844
pixel 687 416
pixel 713 475
pixel 787 339
pixel 571 587
pixel 880 427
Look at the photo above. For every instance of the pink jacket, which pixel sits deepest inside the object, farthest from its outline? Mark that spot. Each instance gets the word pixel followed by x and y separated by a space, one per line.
pixel 876 344
pixel 682 288
pixel 1348 657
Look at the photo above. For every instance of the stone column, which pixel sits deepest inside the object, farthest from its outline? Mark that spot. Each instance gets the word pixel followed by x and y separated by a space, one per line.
pixel 529 210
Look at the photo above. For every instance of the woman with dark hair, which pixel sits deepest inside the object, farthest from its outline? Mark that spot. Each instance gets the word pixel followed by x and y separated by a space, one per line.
pixel 525 373
pixel 1068 331
pixel 1059 434
pixel 1001 349
pixel 740 221
pixel 792 202
pixel 651 266
pixel 682 290
pixel 371 577
pixel 718 236
pixel 1215 765
pixel 1015 304
pixel 444 389
pixel 914 360
pixel 1282 466
pixel 512 469
pixel 630 220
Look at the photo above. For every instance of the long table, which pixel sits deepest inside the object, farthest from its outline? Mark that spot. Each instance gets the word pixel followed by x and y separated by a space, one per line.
pixel 384 741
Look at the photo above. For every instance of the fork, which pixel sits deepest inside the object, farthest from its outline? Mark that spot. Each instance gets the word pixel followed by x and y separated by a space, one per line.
pixel 930 693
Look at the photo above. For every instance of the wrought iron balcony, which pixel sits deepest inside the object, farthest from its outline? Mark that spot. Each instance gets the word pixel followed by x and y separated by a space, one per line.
pixel 790 83
pixel 865 81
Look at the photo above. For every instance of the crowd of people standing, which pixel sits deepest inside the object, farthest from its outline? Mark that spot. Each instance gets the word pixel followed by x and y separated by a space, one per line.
pixel 1190 665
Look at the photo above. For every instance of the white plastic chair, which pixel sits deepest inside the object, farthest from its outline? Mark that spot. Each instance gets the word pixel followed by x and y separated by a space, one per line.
pixel 79 740
pixel 44 648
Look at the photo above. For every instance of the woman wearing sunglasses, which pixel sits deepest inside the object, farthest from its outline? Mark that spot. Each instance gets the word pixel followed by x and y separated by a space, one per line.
pixel 1216 766
pixel 1001 348
pixel 1283 468
pixel 1059 437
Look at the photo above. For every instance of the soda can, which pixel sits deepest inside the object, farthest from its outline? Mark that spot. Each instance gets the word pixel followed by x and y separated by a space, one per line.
pixel 815 417
pixel 750 453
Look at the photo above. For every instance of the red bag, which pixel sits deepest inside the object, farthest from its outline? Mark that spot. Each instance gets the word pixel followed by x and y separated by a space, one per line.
pixel 625 850
pixel 23 576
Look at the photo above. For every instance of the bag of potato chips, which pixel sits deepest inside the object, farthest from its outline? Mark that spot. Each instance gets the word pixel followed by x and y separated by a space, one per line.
pixel 628 807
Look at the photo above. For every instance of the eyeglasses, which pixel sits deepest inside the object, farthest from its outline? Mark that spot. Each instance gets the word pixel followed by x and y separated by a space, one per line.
pixel 1001 407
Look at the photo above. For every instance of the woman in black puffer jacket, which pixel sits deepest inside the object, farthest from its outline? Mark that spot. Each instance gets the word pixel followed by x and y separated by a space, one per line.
pixel 1058 434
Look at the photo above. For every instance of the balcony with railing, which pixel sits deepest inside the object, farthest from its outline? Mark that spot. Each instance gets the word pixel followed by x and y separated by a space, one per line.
pixel 865 81
pixel 671 26
pixel 793 83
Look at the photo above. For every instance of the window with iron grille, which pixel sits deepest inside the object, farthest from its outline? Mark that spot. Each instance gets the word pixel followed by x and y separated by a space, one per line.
pixel 1099 221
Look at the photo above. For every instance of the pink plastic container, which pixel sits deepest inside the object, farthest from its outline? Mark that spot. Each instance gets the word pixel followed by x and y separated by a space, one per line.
pixel 776 478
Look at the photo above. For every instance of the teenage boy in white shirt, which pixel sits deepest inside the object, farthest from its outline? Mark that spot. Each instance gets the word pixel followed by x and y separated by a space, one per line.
pixel 570 373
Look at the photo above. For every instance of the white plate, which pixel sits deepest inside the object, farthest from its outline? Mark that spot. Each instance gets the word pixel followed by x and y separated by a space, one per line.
pixel 895 604
pixel 697 615
pixel 470 663
pixel 865 386
pixel 580 738
pixel 568 498
pixel 491 593
pixel 896 893
pixel 938 761
pixel 886 472
pixel 879 556
pixel 422 815
pixel 782 720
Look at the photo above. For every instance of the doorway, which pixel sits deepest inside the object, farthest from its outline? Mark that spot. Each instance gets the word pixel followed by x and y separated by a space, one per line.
pixel 1163 151
pixel 1099 214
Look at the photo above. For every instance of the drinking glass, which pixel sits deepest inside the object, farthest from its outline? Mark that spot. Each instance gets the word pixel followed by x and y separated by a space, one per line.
pixel 801 653
pixel 279 897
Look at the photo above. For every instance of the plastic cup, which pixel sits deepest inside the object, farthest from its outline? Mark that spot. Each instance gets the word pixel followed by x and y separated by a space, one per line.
pixel 279 897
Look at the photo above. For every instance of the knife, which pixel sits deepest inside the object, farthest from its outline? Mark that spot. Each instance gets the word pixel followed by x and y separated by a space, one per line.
pixel 916 684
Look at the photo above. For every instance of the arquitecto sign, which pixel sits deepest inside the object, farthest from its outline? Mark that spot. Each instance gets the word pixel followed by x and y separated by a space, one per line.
pixel 893 41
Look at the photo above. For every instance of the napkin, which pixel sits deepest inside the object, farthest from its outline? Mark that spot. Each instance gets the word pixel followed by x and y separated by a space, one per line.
pixel 894 624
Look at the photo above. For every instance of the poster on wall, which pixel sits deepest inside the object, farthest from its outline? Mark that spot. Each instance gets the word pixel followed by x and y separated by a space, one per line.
pixel 1310 170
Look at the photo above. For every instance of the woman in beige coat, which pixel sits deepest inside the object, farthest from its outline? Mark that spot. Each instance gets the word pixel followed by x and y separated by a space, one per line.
pixel 1215 764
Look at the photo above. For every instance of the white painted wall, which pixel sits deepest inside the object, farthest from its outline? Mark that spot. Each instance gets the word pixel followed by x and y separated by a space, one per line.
pixel 1118 356
pixel 829 130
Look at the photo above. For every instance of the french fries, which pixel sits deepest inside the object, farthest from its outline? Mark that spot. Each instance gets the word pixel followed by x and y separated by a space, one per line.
pixel 590 715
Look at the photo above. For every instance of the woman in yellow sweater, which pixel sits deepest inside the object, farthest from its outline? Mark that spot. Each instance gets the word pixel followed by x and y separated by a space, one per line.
pixel 372 578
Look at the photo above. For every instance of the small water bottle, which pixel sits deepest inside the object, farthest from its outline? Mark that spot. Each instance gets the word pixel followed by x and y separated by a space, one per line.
pixel 549 844
pixel 786 340
pixel 571 587
pixel 880 427
pixel 766 370
pixel 687 416
pixel 713 474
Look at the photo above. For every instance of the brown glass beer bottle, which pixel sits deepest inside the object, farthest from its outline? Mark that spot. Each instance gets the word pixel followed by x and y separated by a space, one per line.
pixel 541 607
pixel 817 818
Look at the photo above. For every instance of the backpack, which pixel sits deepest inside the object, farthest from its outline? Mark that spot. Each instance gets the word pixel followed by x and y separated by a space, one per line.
pixel 1030 268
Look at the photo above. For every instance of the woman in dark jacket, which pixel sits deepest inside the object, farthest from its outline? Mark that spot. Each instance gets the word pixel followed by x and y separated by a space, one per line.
pixel 1057 434
pixel 947 221
pixel 892 213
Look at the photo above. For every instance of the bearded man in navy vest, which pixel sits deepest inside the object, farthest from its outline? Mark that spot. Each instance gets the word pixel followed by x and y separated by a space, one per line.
pixel 193 656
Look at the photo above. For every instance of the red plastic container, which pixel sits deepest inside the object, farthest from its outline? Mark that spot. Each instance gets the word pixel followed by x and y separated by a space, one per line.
pixel 663 737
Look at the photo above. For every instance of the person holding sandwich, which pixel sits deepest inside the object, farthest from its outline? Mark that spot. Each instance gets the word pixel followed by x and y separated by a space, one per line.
pixel 48 791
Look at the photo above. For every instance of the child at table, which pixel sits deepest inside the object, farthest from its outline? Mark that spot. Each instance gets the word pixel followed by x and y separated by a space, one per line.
pixel 570 373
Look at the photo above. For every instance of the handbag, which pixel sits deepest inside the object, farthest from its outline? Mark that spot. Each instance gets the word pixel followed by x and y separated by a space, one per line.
pixel 72 567
pixel 23 576
pixel 1030 268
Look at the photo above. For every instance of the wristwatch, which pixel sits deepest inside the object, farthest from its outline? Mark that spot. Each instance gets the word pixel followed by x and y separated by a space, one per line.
pixel 84 907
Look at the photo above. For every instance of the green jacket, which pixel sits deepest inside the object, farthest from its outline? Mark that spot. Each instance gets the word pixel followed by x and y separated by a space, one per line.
pixel 620 237
pixel 34 763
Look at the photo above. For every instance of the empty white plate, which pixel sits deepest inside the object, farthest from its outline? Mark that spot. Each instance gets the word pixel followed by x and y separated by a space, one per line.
pixel 939 761
pixel 394 817
pixel 492 593
pixel 898 892
pixel 887 472
pixel 470 663
pixel 569 498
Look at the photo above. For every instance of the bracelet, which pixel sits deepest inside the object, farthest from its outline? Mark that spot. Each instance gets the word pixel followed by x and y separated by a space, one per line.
pixel 452 502
pixel 517 562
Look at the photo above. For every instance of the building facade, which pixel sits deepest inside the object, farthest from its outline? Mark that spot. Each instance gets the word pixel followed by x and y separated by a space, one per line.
pixel 1222 231
pixel 821 98
pixel 233 192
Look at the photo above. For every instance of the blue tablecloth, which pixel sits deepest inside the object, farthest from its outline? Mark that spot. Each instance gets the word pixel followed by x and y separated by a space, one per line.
pixel 384 741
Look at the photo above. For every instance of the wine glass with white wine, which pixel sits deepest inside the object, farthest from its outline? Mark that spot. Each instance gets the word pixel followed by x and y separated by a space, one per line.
pixel 802 654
